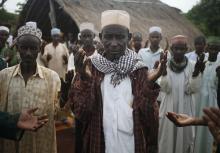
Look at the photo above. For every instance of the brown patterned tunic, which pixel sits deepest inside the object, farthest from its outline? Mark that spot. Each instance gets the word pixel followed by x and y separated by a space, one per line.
pixel 86 100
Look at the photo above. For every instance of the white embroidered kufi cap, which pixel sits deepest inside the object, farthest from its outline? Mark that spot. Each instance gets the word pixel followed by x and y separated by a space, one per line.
pixel 29 30
pixel 4 28
pixel 112 17
pixel 32 24
pixel 87 26
pixel 155 29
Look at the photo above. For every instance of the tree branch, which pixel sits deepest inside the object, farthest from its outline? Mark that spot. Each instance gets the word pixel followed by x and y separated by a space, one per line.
pixel 2 3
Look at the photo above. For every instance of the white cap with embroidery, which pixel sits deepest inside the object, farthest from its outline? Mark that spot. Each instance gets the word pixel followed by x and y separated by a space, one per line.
pixel 87 26
pixel 32 24
pixel 117 17
pixel 155 29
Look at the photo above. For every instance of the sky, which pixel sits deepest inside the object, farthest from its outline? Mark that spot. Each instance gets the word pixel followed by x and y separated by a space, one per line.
pixel 184 5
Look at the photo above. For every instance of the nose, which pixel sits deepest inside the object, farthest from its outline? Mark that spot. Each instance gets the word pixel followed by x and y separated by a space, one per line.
pixel 179 51
pixel 28 52
pixel 114 43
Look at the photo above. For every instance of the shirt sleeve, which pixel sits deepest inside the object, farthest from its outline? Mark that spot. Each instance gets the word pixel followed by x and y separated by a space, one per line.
pixel 81 98
pixel 8 126
pixel 146 110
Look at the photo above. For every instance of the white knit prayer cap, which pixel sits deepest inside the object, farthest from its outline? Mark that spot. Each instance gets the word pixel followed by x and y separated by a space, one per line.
pixel 155 29
pixel 55 31
pixel 29 30
pixel 32 24
pixel 4 28
pixel 112 17
pixel 87 26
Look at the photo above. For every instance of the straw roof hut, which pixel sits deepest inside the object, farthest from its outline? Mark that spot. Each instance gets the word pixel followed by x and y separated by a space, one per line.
pixel 68 14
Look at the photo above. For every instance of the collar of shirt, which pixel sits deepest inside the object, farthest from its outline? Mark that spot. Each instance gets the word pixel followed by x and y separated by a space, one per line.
pixel 154 53
pixel 37 73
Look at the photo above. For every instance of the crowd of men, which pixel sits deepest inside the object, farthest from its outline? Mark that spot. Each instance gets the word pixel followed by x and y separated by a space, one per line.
pixel 127 96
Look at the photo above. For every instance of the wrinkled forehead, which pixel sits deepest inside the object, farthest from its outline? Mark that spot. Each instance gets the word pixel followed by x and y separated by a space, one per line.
pixel 86 32
pixel 155 34
pixel 115 29
pixel 28 40
pixel 179 44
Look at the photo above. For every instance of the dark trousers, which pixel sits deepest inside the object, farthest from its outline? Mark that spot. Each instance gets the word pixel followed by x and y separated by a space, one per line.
pixel 78 136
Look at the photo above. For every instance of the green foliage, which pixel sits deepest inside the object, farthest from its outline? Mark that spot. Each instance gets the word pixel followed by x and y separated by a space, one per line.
pixel 7 18
pixel 206 16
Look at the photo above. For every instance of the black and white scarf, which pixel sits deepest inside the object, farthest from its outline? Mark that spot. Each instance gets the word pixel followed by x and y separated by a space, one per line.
pixel 121 68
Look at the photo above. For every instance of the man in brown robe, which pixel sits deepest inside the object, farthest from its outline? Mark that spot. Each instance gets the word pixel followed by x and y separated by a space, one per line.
pixel 116 84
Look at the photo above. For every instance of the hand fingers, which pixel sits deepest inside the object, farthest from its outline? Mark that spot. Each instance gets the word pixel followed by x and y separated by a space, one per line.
pixel 218 68
pixel 41 123
pixel 212 116
pixel 78 59
pixel 165 54
pixel 167 44
pixel 216 111
pixel 161 56
pixel 43 117
pixel 38 126
pixel 32 110
pixel 156 64
pixel 215 131
pixel 172 117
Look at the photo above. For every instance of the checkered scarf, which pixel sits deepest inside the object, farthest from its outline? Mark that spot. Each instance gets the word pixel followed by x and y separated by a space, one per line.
pixel 120 68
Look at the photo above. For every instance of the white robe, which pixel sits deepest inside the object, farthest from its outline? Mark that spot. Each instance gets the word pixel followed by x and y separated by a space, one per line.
pixel 117 116
pixel 207 97
pixel 148 57
pixel 71 64
pixel 178 89
pixel 193 56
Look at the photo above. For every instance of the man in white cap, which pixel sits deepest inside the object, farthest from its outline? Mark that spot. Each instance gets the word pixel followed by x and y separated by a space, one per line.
pixel 40 59
pixel 136 41
pixel 86 36
pixel 56 54
pixel 29 85
pixel 152 54
pixel 113 94
pixel 9 55
pixel 179 82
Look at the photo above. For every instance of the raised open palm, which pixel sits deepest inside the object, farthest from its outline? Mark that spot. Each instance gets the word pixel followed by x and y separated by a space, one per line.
pixel 180 119
pixel 27 121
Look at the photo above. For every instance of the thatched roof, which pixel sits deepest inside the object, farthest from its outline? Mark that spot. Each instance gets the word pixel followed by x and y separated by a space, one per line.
pixel 144 14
